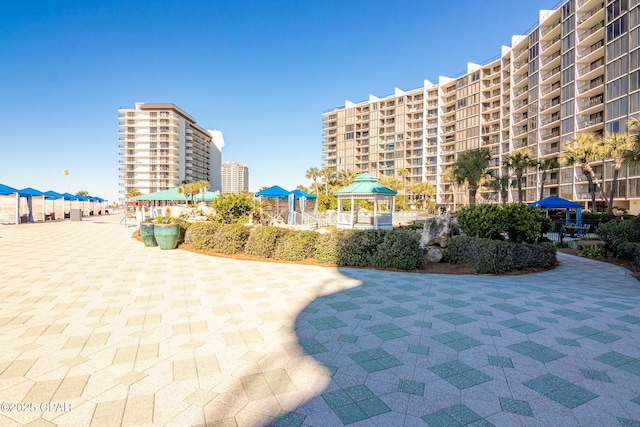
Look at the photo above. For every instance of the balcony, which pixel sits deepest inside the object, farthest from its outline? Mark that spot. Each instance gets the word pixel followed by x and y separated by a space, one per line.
pixel 549 104
pixel 586 34
pixel 548 59
pixel 520 131
pixel 594 101
pixel 587 70
pixel 546 90
pixel 585 52
pixel 546 45
pixel 588 122
pixel 520 92
pixel 584 17
pixel 520 78
pixel 547 74
pixel 547 29
pixel 554 133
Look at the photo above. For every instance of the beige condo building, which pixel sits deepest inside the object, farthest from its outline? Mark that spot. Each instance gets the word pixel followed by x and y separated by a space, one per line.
pixel 161 146
pixel 577 70
pixel 235 177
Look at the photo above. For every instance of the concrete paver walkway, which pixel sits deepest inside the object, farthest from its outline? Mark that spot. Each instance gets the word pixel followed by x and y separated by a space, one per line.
pixel 96 329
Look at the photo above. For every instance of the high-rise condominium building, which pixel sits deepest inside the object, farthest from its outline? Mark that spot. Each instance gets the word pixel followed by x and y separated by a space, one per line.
pixel 161 146
pixel 235 177
pixel 577 70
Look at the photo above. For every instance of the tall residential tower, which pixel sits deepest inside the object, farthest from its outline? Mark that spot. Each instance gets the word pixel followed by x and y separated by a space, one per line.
pixel 161 146
pixel 577 70
pixel 235 177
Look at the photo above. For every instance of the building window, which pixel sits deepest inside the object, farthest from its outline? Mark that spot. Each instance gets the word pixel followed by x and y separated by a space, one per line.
pixel 617 88
pixel 617 28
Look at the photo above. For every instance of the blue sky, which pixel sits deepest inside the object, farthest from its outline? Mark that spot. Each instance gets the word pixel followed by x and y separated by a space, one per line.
pixel 262 72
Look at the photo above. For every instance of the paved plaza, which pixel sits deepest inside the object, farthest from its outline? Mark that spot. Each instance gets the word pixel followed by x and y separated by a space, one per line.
pixel 97 330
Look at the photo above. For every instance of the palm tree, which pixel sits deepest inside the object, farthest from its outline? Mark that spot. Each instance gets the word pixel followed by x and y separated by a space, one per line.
pixel 500 183
pixel 544 166
pixel 519 161
pixel 403 173
pixel 325 174
pixel 471 167
pixel 615 146
pixel 424 189
pixel 581 151
pixel 133 193
pixel 447 177
pixel 346 176
pixel 186 189
pixel 313 173
pixel 202 187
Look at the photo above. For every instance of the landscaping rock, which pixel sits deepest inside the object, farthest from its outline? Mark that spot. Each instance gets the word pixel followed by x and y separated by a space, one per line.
pixel 438 230
pixel 433 254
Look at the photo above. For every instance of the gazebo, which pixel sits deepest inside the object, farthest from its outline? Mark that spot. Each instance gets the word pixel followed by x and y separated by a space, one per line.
pixel 366 187
pixel 555 202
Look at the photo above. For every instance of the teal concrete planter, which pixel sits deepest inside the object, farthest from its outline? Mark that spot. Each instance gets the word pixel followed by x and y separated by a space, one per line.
pixel 147 234
pixel 167 235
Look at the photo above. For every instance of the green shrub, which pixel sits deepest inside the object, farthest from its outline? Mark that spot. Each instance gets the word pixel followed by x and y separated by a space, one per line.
pixel 628 251
pixel 613 233
pixel 488 221
pixel 370 248
pixel 358 247
pixel 234 208
pixel 399 249
pixel 495 257
pixel 201 235
pixel 296 245
pixel 517 221
pixel 264 240
pixel 525 223
pixel 230 238
pixel 592 251
pixel 328 247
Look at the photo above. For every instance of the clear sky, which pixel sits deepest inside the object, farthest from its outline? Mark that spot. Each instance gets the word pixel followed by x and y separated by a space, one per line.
pixel 260 71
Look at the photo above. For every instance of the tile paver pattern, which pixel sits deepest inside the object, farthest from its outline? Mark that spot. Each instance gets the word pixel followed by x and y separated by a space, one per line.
pixel 96 329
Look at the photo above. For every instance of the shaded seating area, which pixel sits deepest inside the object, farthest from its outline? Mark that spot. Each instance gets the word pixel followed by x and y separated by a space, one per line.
pixel 365 188
pixel 568 227
pixel 29 205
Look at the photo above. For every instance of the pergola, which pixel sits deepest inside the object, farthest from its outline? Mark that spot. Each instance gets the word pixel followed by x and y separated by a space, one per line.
pixel 366 187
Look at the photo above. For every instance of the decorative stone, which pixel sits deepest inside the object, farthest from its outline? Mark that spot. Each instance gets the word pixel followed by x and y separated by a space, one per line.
pixel 433 254
pixel 438 230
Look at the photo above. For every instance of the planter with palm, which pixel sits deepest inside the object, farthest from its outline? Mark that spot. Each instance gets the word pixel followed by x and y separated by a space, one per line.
pixel 519 161
pixel 545 166
pixel 471 167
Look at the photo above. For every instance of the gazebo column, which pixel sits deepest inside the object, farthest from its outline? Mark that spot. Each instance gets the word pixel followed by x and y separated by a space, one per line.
pixel 352 224
pixel 375 211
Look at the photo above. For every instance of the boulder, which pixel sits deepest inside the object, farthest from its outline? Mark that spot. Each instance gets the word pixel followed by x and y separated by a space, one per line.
pixel 438 230
pixel 433 254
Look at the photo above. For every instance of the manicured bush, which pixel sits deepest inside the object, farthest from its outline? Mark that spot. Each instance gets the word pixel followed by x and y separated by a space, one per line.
pixel 233 208
pixel 201 235
pixel 495 257
pixel 516 221
pixel 614 233
pixel 525 223
pixel 628 251
pixel 488 221
pixel 263 241
pixel 358 247
pixel 296 245
pixel 230 238
pixel 399 249
pixel 328 247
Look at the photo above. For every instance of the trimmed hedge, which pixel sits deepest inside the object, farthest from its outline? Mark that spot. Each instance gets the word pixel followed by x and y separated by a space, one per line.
pixel 230 238
pixel 516 221
pixel 496 257
pixel 296 245
pixel 264 240
pixel 327 250
pixel 628 251
pixel 201 235
pixel 399 249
